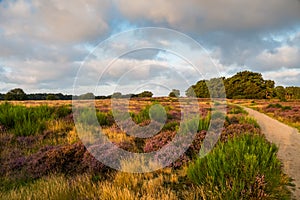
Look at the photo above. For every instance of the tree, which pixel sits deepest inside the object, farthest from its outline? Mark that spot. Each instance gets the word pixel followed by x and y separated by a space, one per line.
pixel 145 94
pixel 16 94
pixel 88 95
pixel 51 97
pixel 199 90
pixel 243 85
pixel 174 93
pixel 292 92
pixel 280 93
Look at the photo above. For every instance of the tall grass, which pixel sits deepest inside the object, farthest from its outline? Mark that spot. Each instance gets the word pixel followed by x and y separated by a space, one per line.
pixel 24 121
pixel 245 167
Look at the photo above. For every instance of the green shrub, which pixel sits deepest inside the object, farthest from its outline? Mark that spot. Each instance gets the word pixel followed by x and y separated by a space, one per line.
pixel 237 110
pixel 286 108
pixel 171 126
pixel 155 110
pixel 245 167
pixel 249 120
pixel 277 105
pixel 24 121
pixel 104 119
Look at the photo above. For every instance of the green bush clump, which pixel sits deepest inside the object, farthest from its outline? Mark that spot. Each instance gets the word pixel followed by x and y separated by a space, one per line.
pixel 237 110
pixel 245 167
pixel 249 120
pixel 277 105
pixel 105 119
pixel 155 110
pixel 24 121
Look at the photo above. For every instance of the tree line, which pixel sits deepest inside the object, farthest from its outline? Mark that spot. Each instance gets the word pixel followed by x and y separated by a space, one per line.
pixel 243 85
pixel 18 94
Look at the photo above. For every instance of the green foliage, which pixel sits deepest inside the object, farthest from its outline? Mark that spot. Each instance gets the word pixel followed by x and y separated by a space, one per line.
pixel 249 120
pixel 243 85
pixel 105 119
pixel 88 95
pixel 23 121
pixel 248 85
pixel 237 110
pixel 293 92
pixel 280 93
pixel 174 93
pixel 171 126
pixel 145 94
pixel 16 94
pixel 156 111
pixel 243 168
pixel 51 97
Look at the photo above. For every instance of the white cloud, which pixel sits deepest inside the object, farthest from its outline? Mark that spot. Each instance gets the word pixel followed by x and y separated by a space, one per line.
pixel 54 21
pixel 284 56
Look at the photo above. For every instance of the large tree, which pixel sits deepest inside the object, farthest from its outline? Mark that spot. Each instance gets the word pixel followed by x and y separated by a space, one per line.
pixel 174 93
pixel 243 85
pixel 16 94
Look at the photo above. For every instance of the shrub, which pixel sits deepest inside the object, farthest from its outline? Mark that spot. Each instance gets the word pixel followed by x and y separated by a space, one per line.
pixel 24 121
pixel 245 167
pixel 105 119
pixel 249 120
pixel 237 110
pixel 277 105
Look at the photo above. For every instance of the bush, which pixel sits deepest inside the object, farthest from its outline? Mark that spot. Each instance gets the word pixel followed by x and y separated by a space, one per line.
pixel 24 121
pixel 277 105
pixel 237 110
pixel 245 167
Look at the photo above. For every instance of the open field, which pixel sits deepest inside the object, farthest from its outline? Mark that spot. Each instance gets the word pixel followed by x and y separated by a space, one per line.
pixel 43 158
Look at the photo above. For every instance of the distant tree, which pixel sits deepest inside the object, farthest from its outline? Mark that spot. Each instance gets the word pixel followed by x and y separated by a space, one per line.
pixel 117 95
pixel 174 93
pixel 280 93
pixel 88 95
pixel 145 94
pixel 292 92
pixel 51 97
pixel 2 96
pixel 270 90
pixel 200 90
pixel 247 85
pixel 16 94
pixel 243 85
pixel 216 87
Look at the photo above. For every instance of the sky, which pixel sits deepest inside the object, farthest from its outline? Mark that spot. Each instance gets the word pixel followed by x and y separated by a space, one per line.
pixel 105 46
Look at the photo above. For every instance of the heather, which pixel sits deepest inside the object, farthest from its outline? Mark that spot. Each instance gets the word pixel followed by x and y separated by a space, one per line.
pixel 52 163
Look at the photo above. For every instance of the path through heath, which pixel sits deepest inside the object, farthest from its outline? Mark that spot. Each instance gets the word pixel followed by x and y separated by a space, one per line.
pixel 288 141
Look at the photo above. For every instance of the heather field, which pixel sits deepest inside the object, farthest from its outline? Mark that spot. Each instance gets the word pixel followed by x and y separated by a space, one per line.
pixel 42 157
pixel 287 112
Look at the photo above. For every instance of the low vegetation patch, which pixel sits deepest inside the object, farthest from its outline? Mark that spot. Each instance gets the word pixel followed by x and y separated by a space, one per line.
pixel 245 167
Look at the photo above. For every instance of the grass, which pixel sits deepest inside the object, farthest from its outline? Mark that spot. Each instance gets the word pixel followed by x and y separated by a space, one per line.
pixel 242 158
pixel 248 120
pixel 24 121
pixel 245 167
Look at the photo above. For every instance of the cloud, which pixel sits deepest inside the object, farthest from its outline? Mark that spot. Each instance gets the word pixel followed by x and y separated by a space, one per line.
pixel 42 43
pixel 285 77
pixel 202 15
pixel 284 56
pixel 54 21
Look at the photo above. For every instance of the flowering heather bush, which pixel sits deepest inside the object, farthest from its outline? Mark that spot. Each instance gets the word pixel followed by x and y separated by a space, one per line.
pixel 163 138
pixel 238 129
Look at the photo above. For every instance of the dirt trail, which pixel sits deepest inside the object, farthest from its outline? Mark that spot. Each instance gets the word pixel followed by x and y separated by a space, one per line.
pixel 288 141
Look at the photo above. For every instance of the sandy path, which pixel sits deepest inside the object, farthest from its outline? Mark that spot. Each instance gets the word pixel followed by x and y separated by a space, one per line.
pixel 288 141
